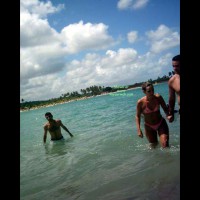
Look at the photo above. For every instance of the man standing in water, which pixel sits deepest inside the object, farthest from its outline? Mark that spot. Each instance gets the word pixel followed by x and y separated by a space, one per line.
pixel 53 126
pixel 174 87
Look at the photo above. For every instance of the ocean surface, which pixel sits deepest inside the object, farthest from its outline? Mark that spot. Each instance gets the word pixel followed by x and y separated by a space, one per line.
pixel 105 160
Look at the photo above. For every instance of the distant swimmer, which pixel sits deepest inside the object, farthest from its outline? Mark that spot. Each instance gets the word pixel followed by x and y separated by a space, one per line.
pixel 154 123
pixel 53 127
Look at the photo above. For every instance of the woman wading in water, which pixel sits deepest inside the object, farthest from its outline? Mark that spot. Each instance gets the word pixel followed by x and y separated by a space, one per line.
pixel 154 123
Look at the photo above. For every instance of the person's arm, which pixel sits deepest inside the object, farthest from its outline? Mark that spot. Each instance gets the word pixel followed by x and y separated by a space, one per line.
pixel 65 128
pixel 165 108
pixel 163 105
pixel 138 119
pixel 45 134
pixel 172 99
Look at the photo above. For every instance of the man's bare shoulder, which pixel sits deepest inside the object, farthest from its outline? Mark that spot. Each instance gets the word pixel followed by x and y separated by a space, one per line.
pixel 174 77
pixel 58 121
pixel 46 125
pixel 141 100
pixel 171 79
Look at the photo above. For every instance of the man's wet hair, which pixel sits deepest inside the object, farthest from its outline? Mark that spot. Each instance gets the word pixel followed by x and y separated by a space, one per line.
pixel 48 114
pixel 176 58
pixel 146 84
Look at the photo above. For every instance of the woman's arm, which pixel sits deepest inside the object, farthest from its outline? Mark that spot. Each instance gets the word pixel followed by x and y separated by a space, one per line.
pixel 138 118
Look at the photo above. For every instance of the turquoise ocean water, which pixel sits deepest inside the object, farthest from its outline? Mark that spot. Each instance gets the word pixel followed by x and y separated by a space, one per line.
pixel 105 160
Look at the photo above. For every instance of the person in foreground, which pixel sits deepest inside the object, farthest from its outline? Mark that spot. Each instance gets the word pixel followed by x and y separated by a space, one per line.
pixel 53 126
pixel 174 87
pixel 154 123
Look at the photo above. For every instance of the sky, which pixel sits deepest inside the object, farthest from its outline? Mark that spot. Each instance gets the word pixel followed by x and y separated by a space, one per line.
pixel 69 45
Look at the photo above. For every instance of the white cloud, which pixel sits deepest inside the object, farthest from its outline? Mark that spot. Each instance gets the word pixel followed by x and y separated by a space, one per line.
pixel 80 36
pixel 124 4
pixel 138 4
pixel 132 36
pixel 35 31
pixel 123 66
pixel 39 8
pixel 131 4
pixel 43 50
pixel 162 39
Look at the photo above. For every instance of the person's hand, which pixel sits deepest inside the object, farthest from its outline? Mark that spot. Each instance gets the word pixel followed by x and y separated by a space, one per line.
pixel 140 134
pixel 170 118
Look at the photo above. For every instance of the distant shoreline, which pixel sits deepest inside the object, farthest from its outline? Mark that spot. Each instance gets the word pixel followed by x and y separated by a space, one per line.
pixel 54 104
pixel 79 99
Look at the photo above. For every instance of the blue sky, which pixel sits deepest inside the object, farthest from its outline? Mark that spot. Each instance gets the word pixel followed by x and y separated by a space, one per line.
pixel 68 45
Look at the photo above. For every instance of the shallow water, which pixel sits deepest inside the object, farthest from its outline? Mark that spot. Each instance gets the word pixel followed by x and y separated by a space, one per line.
pixel 104 160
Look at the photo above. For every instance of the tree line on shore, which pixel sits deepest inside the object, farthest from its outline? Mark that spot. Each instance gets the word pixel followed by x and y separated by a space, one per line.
pixel 85 93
